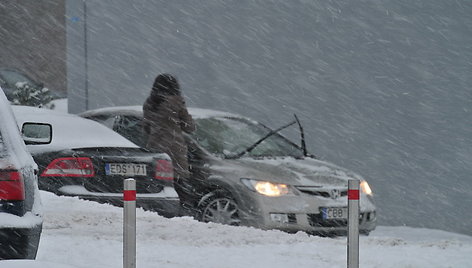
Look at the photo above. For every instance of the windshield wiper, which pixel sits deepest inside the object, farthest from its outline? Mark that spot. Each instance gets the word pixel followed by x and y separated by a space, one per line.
pixel 250 148
pixel 302 134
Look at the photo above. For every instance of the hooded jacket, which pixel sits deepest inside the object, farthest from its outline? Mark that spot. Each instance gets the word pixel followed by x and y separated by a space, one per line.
pixel 165 119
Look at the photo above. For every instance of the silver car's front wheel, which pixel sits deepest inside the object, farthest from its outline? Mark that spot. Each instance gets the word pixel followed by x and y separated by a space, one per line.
pixel 221 210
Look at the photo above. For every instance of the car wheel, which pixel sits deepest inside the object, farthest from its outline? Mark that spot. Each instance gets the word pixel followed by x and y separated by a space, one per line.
pixel 366 233
pixel 220 209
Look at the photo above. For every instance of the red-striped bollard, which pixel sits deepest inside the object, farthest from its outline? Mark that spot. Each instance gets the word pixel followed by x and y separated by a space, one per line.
pixel 353 224
pixel 129 224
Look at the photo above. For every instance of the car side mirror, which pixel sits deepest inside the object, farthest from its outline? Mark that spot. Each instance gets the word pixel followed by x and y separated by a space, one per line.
pixel 36 133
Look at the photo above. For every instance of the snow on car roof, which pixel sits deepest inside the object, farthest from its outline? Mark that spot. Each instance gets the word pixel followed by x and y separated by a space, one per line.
pixel 197 113
pixel 70 131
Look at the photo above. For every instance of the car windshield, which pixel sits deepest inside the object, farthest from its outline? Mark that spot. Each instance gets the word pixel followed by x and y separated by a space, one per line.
pixel 230 136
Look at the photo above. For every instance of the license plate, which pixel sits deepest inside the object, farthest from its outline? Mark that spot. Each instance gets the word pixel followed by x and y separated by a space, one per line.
pixel 125 169
pixel 334 213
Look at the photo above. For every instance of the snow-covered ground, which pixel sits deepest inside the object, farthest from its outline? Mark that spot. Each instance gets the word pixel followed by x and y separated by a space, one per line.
pixel 86 234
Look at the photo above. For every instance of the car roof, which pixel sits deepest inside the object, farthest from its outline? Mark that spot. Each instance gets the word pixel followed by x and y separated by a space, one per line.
pixel 70 131
pixel 197 113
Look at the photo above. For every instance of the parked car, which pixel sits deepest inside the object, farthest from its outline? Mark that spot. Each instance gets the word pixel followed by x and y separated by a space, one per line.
pixel 88 160
pixel 244 173
pixel 20 217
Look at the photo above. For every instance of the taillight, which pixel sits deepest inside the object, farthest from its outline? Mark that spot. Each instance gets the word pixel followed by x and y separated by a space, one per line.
pixel 70 167
pixel 12 186
pixel 164 170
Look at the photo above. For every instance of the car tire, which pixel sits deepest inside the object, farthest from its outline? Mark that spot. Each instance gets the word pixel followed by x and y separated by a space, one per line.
pixel 18 243
pixel 364 232
pixel 220 208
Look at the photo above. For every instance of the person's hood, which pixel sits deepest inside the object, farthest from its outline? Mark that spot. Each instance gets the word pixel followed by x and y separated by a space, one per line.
pixel 288 170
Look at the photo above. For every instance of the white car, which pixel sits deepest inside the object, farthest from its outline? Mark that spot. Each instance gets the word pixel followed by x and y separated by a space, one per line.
pixel 20 206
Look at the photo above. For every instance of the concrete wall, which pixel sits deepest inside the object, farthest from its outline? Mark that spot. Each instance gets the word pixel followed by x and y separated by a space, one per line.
pixel 33 40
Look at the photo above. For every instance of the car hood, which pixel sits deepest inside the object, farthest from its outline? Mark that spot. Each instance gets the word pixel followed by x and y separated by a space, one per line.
pixel 288 170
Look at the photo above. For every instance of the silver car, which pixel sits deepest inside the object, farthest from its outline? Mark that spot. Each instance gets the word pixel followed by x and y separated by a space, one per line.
pixel 244 173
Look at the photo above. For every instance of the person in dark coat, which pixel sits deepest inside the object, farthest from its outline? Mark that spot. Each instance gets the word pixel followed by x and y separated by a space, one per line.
pixel 165 119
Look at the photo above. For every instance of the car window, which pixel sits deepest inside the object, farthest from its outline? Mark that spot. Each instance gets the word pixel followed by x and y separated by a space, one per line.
pixel 130 127
pixel 107 120
pixel 226 136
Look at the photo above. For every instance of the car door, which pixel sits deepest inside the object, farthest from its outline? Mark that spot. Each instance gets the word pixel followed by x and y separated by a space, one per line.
pixel 131 127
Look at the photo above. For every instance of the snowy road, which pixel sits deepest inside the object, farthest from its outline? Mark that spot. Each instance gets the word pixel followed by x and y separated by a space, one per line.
pixel 87 234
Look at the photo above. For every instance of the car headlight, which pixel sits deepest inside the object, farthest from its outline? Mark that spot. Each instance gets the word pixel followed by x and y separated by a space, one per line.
pixel 266 187
pixel 366 188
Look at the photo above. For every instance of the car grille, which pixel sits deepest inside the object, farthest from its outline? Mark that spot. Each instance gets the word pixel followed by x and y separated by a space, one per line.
pixel 318 191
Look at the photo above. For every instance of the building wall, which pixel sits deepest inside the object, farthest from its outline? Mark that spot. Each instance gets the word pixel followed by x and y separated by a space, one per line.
pixel 32 34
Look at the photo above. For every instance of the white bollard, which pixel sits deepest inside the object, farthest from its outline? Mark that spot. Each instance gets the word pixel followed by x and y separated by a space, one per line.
pixel 129 224
pixel 353 224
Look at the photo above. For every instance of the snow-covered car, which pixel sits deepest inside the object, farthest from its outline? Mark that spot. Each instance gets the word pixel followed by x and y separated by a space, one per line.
pixel 244 173
pixel 88 160
pixel 20 206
